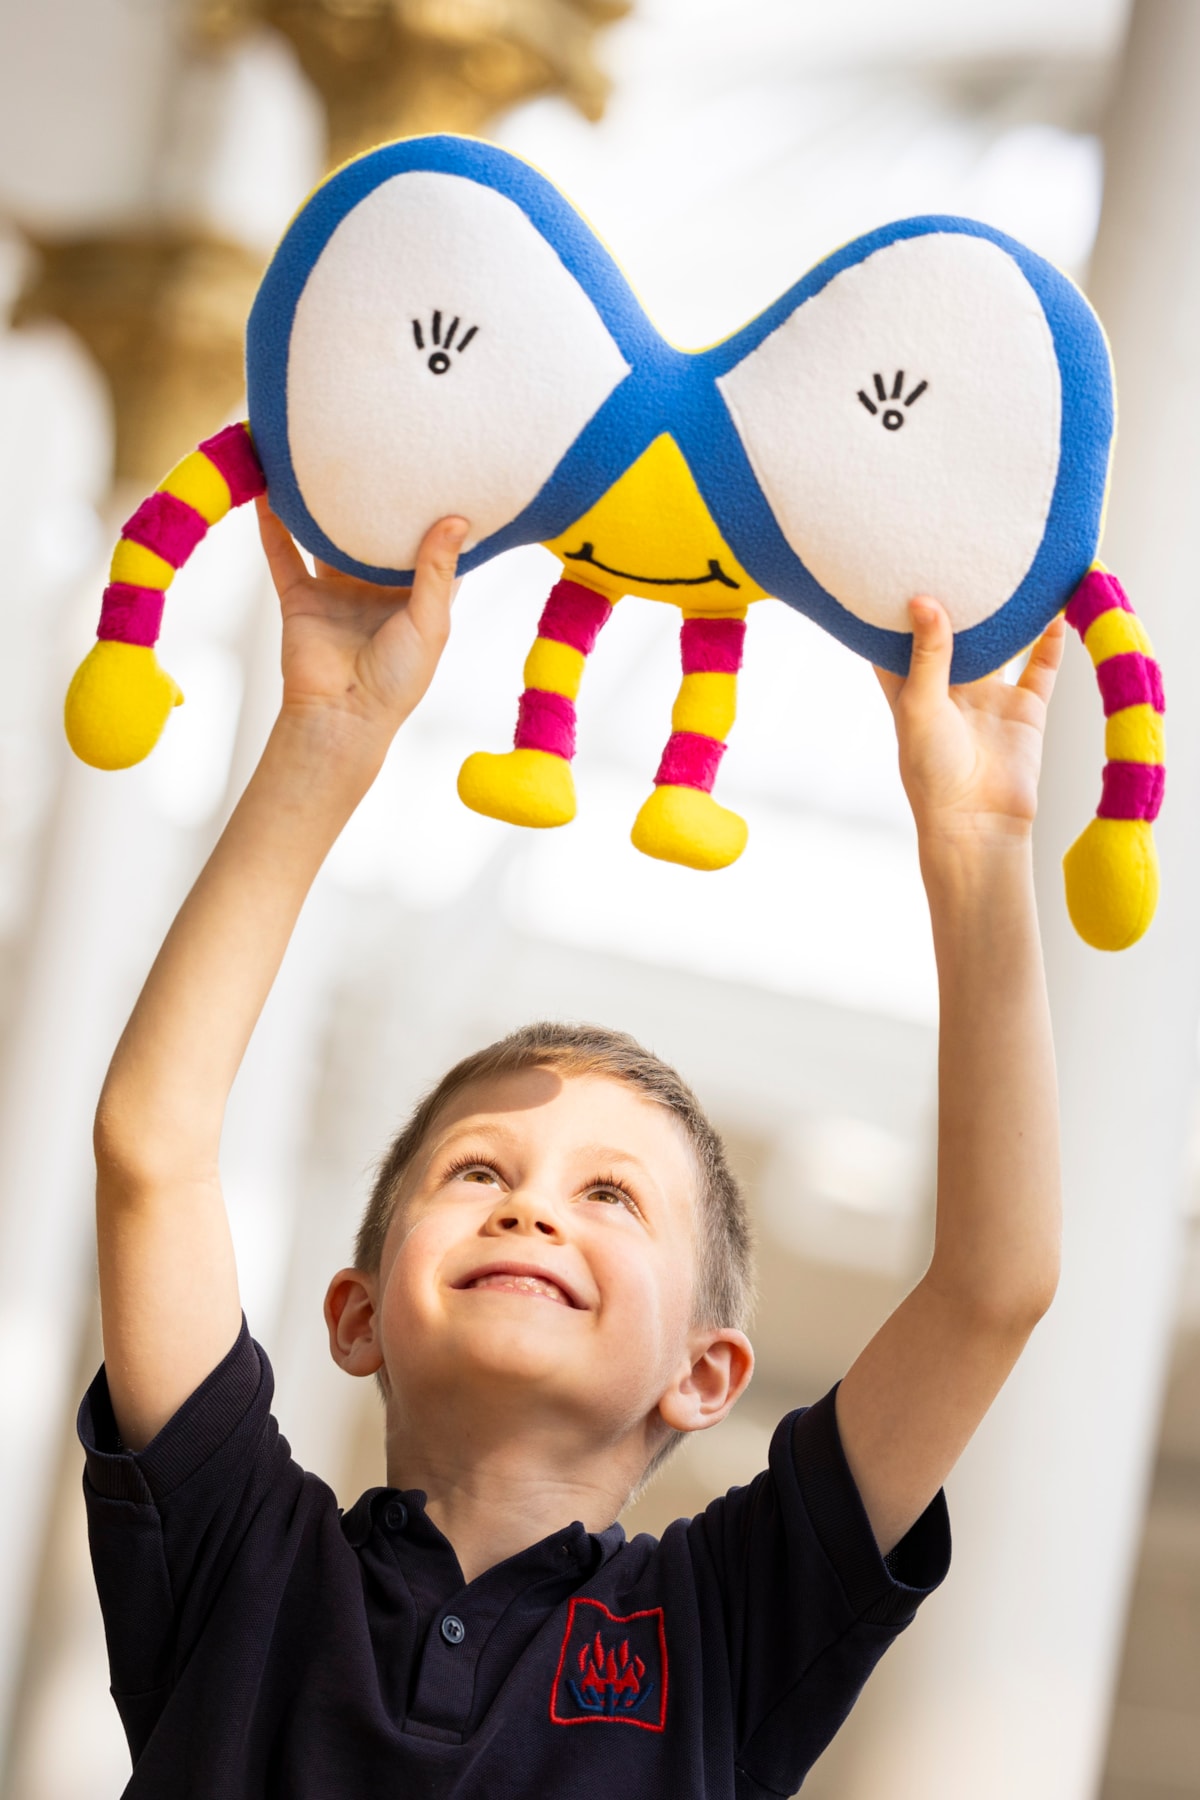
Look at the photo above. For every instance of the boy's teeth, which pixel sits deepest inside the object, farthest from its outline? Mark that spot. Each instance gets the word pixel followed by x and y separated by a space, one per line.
pixel 523 1284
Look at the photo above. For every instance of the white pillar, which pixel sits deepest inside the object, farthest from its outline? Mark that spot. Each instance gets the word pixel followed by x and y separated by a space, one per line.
pixel 104 122
pixel 1004 1686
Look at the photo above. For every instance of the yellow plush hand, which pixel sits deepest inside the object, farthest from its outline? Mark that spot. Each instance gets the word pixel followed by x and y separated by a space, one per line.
pixel 1111 872
pixel 117 704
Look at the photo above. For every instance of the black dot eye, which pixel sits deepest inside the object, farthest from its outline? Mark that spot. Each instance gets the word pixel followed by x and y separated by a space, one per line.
pixel 439 362
pixel 892 420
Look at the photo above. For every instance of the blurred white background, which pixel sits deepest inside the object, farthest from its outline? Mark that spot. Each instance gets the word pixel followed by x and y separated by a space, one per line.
pixel 796 990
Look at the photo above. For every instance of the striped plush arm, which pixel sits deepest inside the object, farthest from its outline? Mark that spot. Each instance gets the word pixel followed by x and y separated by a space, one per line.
pixel 1112 869
pixel 120 697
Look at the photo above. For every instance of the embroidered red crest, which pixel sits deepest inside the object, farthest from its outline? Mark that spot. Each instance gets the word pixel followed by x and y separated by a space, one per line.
pixel 612 1670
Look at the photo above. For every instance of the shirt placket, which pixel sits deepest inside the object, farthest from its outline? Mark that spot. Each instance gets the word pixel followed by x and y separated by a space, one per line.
pixel 444 1689
pixel 447 1666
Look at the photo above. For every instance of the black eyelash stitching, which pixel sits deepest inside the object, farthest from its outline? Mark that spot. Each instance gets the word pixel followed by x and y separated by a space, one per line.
pixel 893 418
pixel 440 360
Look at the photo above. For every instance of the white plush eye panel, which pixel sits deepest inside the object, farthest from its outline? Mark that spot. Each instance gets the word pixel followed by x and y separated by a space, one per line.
pixel 941 483
pixel 442 359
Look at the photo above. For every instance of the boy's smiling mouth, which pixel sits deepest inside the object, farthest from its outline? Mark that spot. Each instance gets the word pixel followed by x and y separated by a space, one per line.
pixel 520 1278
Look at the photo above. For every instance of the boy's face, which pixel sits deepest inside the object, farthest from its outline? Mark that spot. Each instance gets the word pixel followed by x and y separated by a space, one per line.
pixel 543 1251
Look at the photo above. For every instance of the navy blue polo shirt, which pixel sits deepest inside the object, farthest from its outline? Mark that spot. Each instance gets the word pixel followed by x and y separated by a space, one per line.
pixel 262 1643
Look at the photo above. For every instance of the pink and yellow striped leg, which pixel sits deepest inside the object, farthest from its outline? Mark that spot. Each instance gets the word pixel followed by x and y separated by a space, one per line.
pixel 681 822
pixel 1112 869
pixel 120 698
pixel 532 784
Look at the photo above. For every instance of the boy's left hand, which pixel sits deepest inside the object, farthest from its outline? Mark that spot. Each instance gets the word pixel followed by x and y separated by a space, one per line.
pixel 970 756
pixel 353 650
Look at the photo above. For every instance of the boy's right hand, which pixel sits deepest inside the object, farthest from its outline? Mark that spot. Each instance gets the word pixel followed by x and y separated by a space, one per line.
pixel 354 653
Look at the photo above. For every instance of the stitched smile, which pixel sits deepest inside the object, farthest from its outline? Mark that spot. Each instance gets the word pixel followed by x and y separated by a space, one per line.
pixel 586 554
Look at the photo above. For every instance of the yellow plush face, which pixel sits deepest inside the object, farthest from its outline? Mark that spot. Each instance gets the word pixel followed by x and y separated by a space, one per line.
pixel 651 534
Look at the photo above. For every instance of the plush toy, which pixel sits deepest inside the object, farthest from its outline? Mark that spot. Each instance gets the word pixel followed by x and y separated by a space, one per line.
pixel 929 410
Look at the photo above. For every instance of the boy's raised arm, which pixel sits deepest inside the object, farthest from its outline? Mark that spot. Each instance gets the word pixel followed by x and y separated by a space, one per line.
pixel 356 660
pixel 969 758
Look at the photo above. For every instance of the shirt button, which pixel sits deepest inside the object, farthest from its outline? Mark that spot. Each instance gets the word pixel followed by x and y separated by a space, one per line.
pixel 395 1515
pixel 453 1629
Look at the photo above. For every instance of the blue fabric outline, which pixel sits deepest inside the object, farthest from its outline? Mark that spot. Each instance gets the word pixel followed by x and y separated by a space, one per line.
pixel 674 392
pixel 268 330
pixel 1072 528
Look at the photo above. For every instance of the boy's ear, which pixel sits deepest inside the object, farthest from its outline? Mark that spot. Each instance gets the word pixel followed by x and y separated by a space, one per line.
pixel 352 1321
pixel 704 1392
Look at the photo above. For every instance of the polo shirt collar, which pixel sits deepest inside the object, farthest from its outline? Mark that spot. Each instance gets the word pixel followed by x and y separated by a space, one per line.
pixel 587 1550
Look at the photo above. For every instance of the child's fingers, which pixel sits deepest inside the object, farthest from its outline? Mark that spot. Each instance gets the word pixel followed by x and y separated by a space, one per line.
pixel 1037 677
pixel 434 577
pixel 283 558
pixel 890 683
pixel 932 650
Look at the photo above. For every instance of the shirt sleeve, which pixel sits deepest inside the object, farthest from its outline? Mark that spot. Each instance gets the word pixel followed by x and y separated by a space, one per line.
pixel 165 1523
pixel 808 1602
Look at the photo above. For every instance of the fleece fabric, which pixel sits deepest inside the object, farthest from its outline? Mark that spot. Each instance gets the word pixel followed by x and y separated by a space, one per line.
pixel 930 409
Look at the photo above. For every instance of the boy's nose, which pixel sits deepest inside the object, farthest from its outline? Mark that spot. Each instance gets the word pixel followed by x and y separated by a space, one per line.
pixel 519 1212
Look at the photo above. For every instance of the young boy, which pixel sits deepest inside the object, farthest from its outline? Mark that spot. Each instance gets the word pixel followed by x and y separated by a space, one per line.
pixel 550 1285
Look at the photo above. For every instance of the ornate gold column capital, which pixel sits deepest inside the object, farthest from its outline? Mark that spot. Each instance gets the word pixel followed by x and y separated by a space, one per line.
pixel 164 314
pixel 163 309
pixel 391 68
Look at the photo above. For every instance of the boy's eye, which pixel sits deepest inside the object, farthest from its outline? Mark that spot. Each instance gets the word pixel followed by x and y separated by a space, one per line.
pixel 615 1195
pixel 472 1171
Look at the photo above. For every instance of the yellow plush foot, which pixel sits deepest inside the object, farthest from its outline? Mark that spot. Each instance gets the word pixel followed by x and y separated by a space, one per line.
pixel 117 704
pixel 1111 873
pixel 523 787
pixel 684 825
